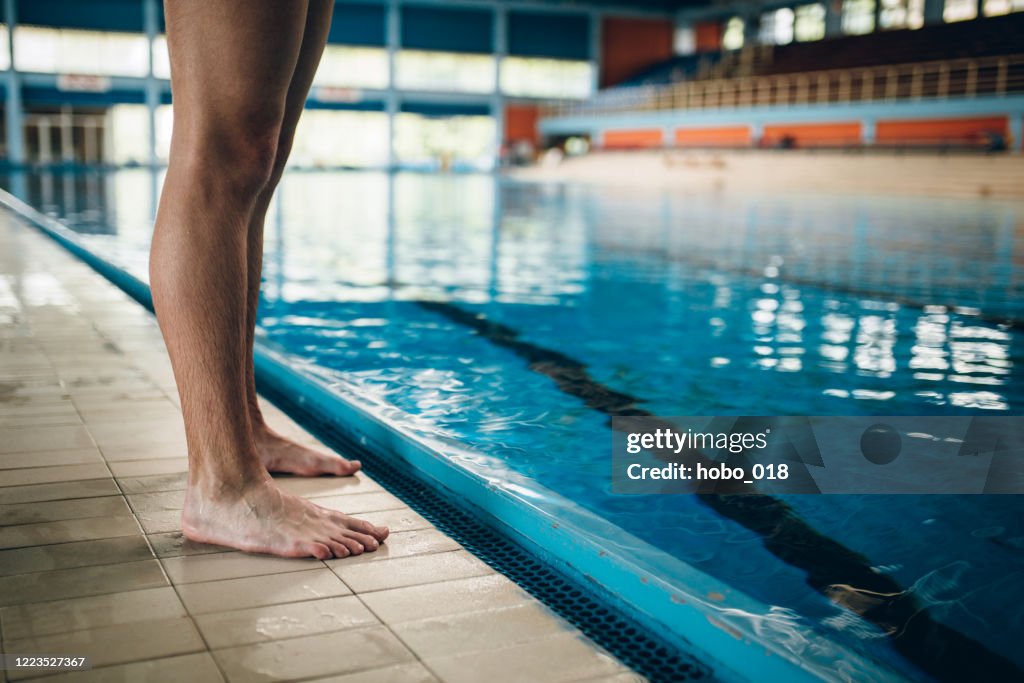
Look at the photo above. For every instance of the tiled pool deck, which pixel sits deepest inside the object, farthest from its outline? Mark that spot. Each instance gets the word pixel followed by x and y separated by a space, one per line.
pixel 92 560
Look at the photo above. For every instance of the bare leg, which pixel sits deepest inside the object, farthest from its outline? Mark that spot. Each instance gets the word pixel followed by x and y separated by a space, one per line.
pixel 230 72
pixel 277 453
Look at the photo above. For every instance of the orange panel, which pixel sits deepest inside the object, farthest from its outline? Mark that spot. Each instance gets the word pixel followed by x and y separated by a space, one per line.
pixel 733 136
pixel 813 134
pixel 940 130
pixel 630 45
pixel 521 123
pixel 633 139
pixel 709 36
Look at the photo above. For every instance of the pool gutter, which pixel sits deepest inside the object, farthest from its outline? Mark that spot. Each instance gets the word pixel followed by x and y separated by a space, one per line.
pixel 718 622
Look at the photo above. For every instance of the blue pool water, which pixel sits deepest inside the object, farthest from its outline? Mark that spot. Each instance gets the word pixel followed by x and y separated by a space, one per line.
pixel 456 299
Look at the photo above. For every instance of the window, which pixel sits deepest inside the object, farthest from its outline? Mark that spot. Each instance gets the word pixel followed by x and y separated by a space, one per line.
pixel 93 53
pixel 777 27
pixel 536 77
pixel 959 10
pixel 809 23
pixel 995 8
pixel 345 66
pixel 685 42
pixel 161 58
pixel 445 71
pixel 446 142
pixel 901 14
pixel 5 53
pixel 732 38
pixel 127 135
pixel 340 138
pixel 858 17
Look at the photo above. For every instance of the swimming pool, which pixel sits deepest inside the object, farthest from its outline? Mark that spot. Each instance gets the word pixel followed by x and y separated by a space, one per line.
pixel 515 318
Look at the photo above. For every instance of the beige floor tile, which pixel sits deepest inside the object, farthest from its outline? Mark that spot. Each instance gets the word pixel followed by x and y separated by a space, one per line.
pixel 25 439
pixel 43 558
pixel 157 501
pixel 193 668
pixel 469 632
pixel 397 521
pixel 624 677
pixel 74 456
pixel 358 503
pixel 560 658
pixel 234 565
pixel 121 643
pixel 410 672
pixel 174 544
pixel 47 533
pixel 144 449
pixel 290 620
pixel 88 488
pixel 311 656
pixel 49 475
pixel 154 483
pixel 414 603
pixel 142 468
pixel 64 418
pixel 405 544
pixel 79 582
pixel 96 611
pixel 58 510
pixel 321 487
pixel 410 571
pixel 165 521
pixel 259 591
pixel 129 432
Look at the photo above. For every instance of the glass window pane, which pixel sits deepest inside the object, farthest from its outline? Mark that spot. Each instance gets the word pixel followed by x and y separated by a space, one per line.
pixel 557 78
pixel 901 14
pixel 995 8
pixel 5 53
pixel 858 17
pixel 444 143
pixel 127 139
pixel 94 53
pixel 329 138
pixel 959 10
pixel 345 66
pixel 445 71
pixel 161 58
pixel 776 27
pixel 809 23
pixel 732 38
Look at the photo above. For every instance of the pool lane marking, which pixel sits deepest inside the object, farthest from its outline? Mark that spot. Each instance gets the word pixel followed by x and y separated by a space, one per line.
pixel 832 569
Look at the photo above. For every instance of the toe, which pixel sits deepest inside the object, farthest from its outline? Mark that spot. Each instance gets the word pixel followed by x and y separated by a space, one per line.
pixel 337 549
pixel 344 467
pixel 318 550
pixel 368 542
pixel 354 546
pixel 364 527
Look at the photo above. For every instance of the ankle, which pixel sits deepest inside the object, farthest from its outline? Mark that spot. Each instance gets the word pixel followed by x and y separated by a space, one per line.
pixel 220 481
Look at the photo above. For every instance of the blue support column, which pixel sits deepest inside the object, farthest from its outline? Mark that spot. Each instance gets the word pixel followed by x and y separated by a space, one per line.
pixel 391 103
pixel 152 87
pixel 498 98
pixel 1017 133
pixel 867 134
pixel 834 18
pixel 595 50
pixel 13 113
pixel 933 11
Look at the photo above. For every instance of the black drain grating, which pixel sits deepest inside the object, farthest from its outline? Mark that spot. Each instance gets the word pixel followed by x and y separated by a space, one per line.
pixel 582 606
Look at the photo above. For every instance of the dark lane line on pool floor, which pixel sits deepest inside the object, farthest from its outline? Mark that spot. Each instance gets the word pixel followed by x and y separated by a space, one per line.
pixel 833 570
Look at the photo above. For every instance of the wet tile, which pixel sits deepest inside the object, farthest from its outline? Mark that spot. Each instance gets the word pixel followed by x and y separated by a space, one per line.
pixel 290 620
pixel 158 501
pixel 144 449
pixel 310 656
pixel 624 677
pixel 58 510
pixel 130 432
pixel 405 544
pixel 450 597
pixel 164 521
pixel 76 554
pixel 97 611
pixel 88 488
pixel 194 668
pixel 25 439
pixel 62 418
pixel 410 571
pixel 154 483
pixel 559 658
pixel 48 475
pixel 233 565
pixel 479 631
pixel 320 487
pixel 258 591
pixel 119 644
pixel 411 672
pixel 74 456
pixel 357 503
pixel 72 583
pixel 141 468
pixel 174 544
pixel 397 521
pixel 68 530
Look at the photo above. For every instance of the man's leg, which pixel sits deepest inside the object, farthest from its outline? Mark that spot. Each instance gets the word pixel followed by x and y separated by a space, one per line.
pixel 231 66
pixel 278 453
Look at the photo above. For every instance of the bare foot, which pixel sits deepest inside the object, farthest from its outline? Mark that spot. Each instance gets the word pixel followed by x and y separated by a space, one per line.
pixel 280 454
pixel 264 519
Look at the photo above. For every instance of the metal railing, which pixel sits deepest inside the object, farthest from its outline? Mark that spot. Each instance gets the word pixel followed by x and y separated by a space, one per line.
pixel 973 77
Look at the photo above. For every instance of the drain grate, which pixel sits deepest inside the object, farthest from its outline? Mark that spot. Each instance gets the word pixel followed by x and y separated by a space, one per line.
pixel 633 644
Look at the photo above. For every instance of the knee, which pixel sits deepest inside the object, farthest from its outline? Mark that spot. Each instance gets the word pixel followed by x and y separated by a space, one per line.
pixel 238 156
